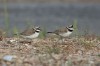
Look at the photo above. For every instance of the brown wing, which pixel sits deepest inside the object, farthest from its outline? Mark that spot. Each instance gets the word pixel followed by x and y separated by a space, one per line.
pixel 62 30
pixel 28 32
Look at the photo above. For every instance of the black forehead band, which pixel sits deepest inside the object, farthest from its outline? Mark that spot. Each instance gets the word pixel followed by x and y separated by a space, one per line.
pixel 37 31
pixel 70 30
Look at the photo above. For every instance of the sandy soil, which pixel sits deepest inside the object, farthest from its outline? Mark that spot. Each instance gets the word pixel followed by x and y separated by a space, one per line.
pixel 74 51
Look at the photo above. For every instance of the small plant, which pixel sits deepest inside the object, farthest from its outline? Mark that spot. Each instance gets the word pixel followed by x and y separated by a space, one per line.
pixel 42 33
pixel 6 16
pixel 15 31
pixel 75 24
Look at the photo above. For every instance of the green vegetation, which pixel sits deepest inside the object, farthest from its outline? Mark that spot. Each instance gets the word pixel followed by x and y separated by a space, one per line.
pixel 7 22
pixel 75 24
pixel 43 33
pixel 15 31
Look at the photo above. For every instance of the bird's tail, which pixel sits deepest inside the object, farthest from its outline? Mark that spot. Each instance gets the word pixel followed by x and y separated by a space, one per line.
pixel 49 32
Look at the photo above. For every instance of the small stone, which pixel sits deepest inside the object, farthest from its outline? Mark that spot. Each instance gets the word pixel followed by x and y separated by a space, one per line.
pixel 9 57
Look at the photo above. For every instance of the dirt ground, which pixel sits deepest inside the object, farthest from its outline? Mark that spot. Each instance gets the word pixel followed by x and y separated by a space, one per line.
pixel 74 51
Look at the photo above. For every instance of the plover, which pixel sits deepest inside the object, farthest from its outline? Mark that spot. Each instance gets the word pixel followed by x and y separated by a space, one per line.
pixel 64 32
pixel 31 33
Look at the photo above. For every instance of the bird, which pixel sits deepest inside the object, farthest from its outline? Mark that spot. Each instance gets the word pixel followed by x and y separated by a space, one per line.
pixel 64 32
pixel 31 33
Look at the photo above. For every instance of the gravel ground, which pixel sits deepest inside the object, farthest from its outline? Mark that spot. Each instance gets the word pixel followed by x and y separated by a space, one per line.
pixel 74 51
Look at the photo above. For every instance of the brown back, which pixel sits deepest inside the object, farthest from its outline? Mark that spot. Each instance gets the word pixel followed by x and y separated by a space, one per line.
pixel 62 30
pixel 28 32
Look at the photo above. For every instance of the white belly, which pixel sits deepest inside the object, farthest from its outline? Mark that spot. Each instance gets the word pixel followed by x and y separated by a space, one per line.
pixel 65 34
pixel 35 35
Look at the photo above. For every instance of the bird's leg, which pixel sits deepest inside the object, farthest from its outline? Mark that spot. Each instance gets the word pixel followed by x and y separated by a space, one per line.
pixel 61 39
